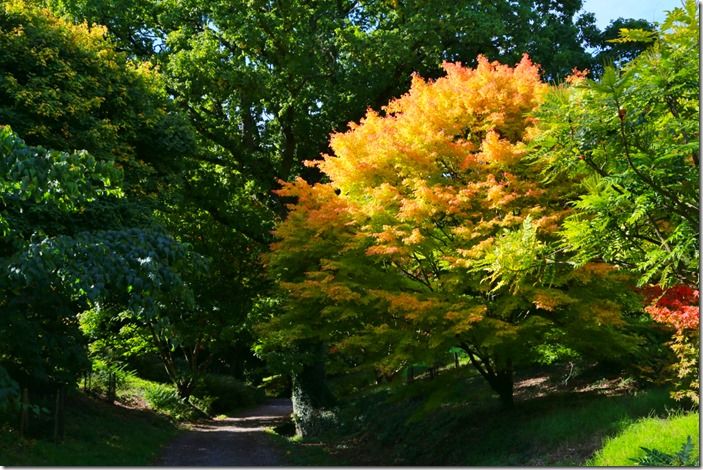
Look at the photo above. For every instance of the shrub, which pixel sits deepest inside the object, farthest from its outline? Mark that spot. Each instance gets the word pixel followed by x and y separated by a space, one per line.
pixel 677 307
pixel 102 372
pixel 164 399
pixel 227 393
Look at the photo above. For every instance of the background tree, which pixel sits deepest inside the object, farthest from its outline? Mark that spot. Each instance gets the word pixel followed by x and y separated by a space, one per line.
pixel 65 251
pixel 65 87
pixel 42 194
pixel 96 98
pixel 614 52
pixel 629 142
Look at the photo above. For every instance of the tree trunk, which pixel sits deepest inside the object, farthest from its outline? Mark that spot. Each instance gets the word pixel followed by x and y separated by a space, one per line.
pixel 500 379
pixel 286 121
pixel 310 395
pixel 503 385
pixel 59 414
pixel 24 413
pixel 184 389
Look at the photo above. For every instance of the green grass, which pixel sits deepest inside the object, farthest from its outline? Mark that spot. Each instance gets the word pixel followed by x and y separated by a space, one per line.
pixel 299 453
pixel 666 435
pixel 96 434
pixel 457 421
pixel 218 394
pixel 558 431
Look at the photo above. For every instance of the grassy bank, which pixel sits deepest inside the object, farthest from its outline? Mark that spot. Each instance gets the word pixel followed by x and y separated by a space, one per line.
pixel 453 420
pixel 663 434
pixel 130 433
pixel 96 434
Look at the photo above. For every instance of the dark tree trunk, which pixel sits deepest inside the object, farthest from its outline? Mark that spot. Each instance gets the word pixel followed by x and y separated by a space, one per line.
pixel 289 144
pixel 184 389
pixel 500 379
pixel 24 413
pixel 59 414
pixel 503 385
pixel 310 395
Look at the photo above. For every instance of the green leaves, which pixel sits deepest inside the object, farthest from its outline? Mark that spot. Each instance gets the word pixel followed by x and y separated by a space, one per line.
pixel 59 179
pixel 684 457
pixel 516 258
pixel 57 260
pixel 65 86
pixel 629 144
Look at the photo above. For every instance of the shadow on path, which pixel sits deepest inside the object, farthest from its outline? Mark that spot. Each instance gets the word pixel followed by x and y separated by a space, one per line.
pixel 234 441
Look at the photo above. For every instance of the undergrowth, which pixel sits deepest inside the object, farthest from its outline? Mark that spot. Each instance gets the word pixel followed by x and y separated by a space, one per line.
pixel 96 434
pixel 128 433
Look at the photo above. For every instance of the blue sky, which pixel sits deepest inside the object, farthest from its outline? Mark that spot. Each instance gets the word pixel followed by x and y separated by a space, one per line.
pixel 650 10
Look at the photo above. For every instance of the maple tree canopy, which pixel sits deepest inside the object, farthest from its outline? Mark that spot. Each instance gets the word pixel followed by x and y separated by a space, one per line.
pixel 435 224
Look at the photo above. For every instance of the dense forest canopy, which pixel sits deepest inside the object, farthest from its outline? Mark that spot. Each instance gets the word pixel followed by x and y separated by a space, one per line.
pixel 335 191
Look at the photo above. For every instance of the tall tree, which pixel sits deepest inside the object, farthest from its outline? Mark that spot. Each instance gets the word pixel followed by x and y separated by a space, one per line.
pixel 436 219
pixel 267 82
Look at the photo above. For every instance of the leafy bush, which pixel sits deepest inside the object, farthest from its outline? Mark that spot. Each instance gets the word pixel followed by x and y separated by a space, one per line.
pixel 164 398
pixel 678 308
pixel 100 376
pixel 227 393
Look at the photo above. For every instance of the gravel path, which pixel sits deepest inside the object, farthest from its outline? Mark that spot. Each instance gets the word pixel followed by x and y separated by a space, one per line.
pixel 234 441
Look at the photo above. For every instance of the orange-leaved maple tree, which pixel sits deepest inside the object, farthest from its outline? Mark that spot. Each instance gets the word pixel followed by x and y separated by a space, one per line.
pixel 434 231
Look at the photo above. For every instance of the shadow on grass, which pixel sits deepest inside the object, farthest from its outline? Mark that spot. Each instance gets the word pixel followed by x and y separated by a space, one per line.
pixel 455 420
pixel 97 434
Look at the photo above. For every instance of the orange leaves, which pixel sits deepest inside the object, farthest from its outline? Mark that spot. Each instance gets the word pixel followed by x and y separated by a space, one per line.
pixel 463 320
pixel 550 299
pixel 321 286
pixel 434 130
pixel 592 270
pixel 420 194
pixel 406 304
pixel 495 150
pixel 415 238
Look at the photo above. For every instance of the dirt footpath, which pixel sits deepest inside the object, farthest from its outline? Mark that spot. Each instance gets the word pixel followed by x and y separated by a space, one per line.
pixel 234 441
